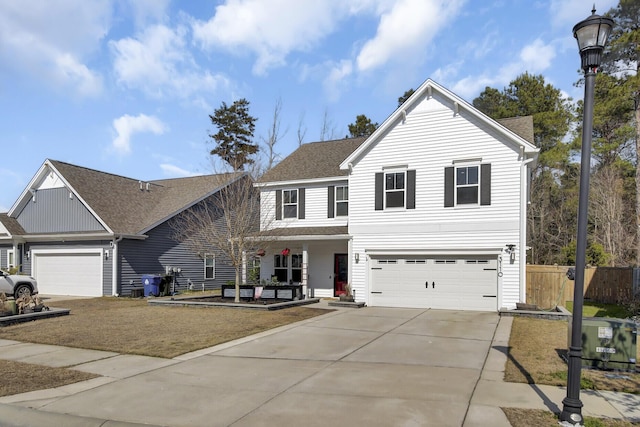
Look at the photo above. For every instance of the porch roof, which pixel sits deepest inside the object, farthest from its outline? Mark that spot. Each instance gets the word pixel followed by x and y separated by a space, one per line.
pixel 305 233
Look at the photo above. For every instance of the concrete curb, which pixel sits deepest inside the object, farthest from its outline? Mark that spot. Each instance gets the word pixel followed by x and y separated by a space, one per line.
pixel 17 416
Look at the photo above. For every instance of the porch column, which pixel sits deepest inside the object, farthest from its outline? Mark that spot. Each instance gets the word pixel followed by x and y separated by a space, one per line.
pixel 244 267
pixel 305 263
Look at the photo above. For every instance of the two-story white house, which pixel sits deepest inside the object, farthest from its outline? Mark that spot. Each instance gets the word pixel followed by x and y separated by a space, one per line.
pixel 429 211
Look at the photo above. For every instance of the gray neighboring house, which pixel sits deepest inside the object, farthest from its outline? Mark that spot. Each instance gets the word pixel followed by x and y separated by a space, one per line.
pixel 83 232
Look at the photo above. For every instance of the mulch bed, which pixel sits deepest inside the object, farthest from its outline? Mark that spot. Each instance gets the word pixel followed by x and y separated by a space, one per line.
pixel 242 300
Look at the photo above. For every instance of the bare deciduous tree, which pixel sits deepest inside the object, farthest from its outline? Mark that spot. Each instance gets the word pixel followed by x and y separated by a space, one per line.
pixel 610 216
pixel 327 129
pixel 274 135
pixel 302 129
pixel 224 223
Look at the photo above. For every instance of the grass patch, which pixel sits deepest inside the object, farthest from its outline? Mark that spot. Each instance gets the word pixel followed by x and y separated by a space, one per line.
pixel 540 418
pixel 536 350
pixel 131 326
pixel 594 309
pixel 18 377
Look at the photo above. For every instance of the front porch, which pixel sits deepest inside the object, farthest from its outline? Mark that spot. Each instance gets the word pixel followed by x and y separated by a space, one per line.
pixel 316 258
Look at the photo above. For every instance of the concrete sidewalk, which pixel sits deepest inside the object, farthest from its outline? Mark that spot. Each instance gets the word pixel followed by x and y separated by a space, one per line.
pixel 372 366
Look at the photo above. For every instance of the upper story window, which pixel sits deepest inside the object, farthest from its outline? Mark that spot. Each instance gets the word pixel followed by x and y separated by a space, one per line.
pixel 467 185
pixel 290 203
pixel 342 201
pixel 395 189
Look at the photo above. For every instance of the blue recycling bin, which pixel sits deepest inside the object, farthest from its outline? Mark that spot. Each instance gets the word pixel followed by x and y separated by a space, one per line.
pixel 151 283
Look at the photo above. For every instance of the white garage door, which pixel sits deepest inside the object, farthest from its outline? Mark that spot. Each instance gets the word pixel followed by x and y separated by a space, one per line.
pixel 68 273
pixel 469 283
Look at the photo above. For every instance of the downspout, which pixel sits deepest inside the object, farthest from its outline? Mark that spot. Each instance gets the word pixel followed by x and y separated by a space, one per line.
pixel 114 267
pixel 523 229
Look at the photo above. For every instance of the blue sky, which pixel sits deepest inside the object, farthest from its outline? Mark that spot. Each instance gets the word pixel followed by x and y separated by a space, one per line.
pixel 127 86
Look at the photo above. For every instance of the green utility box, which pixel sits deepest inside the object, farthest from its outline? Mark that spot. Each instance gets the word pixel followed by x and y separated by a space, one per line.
pixel 608 343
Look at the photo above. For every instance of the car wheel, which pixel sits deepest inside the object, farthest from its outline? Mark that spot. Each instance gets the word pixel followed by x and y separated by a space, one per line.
pixel 22 290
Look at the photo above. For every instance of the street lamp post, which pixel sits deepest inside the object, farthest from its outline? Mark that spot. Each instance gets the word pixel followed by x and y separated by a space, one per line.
pixel 592 34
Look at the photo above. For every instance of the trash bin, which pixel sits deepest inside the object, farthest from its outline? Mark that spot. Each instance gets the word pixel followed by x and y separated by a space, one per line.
pixel 151 283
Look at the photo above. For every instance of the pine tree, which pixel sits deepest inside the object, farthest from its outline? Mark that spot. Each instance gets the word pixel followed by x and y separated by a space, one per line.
pixel 235 133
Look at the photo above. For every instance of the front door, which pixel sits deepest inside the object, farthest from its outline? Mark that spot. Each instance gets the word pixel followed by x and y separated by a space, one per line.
pixel 340 274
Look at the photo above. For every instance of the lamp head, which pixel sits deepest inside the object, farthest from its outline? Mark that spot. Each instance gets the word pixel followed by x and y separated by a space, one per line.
pixel 592 34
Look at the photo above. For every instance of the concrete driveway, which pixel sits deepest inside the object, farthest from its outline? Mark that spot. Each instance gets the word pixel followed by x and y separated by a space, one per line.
pixel 369 367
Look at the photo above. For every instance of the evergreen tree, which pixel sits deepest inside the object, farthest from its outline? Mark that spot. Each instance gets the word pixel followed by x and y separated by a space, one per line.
pixel 235 133
pixel 363 126
pixel 622 60
pixel 551 219
pixel 405 96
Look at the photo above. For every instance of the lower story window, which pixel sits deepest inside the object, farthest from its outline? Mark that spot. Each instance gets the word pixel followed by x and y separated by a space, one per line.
pixel 296 268
pixel 280 267
pixel 209 266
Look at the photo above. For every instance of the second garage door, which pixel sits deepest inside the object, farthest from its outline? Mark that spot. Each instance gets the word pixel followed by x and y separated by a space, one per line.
pixel 458 283
pixel 68 273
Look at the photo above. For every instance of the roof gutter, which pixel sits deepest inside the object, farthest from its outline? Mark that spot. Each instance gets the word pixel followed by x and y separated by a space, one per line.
pixel 114 266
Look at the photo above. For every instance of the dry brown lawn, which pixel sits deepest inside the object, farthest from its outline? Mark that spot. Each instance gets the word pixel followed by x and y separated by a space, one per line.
pixel 20 377
pixel 535 350
pixel 132 326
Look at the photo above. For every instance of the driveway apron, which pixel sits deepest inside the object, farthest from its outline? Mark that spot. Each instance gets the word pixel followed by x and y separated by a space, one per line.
pixel 372 366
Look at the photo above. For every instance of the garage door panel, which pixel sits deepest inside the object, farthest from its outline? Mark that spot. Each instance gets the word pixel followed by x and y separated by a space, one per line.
pixel 430 282
pixel 69 273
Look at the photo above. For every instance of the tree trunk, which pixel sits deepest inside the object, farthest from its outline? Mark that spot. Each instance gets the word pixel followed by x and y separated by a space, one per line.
pixel 637 101
pixel 237 284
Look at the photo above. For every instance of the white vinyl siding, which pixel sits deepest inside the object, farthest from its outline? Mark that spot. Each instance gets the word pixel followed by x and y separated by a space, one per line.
pixel 429 140
pixel 316 200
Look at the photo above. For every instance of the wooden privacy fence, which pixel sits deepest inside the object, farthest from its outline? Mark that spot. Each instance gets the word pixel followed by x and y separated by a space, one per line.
pixel 548 285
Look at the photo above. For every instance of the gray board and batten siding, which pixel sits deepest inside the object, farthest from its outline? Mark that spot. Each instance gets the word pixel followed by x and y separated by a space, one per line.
pixel 56 210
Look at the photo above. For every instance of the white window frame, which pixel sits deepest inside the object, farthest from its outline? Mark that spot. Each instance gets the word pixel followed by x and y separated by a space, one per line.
pixel 344 189
pixel 477 185
pixel 281 262
pixel 208 257
pixel 286 194
pixel 403 190
pixel 11 258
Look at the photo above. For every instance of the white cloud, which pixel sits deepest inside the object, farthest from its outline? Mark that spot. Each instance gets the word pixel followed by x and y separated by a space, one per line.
pixel 537 56
pixel 174 171
pixel 126 126
pixel 50 40
pixel 533 58
pixel 567 13
pixel 406 30
pixel 158 62
pixel 335 79
pixel 271 29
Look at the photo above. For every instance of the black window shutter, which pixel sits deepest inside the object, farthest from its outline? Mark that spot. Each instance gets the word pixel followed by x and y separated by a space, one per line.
pixel 278 204
pixel 331 204
pixel 301 203
pixel 448 186
pixel 485 184
pixel 379 191
pixel 411 189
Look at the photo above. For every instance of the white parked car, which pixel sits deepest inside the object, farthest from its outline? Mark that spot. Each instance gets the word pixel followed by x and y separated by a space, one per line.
pixel 17 285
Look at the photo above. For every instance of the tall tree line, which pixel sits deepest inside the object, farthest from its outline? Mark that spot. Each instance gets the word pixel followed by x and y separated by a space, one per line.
pixel 614 208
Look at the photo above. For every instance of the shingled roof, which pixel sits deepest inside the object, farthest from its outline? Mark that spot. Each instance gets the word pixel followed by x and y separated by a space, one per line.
pixel 12 226
pixel 521 126
pixel 125 204
pixel 314 160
